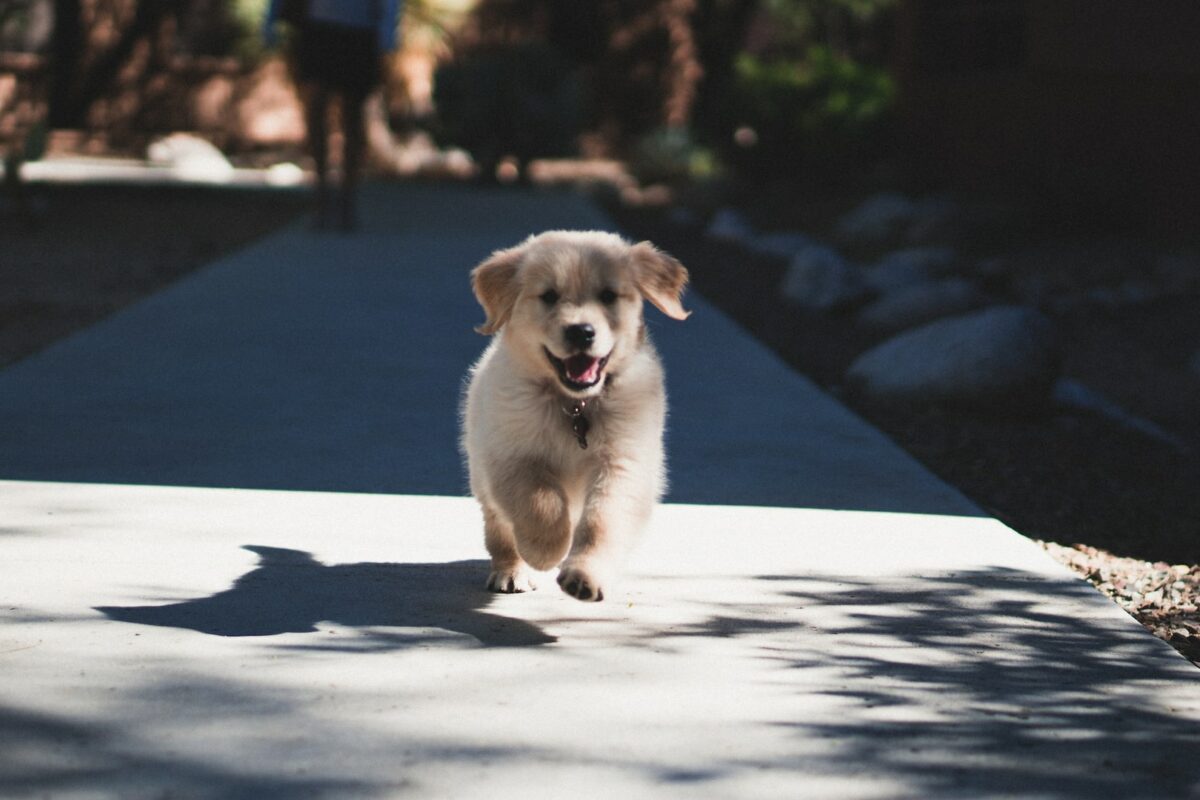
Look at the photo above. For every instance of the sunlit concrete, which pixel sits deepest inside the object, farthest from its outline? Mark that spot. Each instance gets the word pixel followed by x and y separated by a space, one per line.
pixel 232 643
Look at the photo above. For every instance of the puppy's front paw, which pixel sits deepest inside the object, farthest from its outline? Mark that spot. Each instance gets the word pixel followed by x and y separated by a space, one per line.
pixel 580 583
pixel 511 580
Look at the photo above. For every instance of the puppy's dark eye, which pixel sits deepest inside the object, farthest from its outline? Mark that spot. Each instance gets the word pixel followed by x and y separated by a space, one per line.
pixel 608 297
pixel 549 297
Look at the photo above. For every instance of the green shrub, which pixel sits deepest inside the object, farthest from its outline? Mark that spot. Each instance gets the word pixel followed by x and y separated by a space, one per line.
pixel 819 110
pixel 247 17
pixel 671 155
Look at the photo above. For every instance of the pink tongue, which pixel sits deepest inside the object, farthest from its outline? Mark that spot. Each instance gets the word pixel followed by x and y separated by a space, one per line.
pixel 583 369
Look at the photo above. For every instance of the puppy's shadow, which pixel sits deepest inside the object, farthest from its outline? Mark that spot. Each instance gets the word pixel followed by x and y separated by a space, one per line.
pixel 397 605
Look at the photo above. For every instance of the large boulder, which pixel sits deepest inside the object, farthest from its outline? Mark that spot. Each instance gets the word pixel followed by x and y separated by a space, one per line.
pixel 909 267
pixel 1073 394
pixel 780 244
pixel 1177 273
pixel 924 302
pixel 891 219
pixel 820 279
pixel 878 221
pixel 729 225
pixel 994 358
pixel 937 219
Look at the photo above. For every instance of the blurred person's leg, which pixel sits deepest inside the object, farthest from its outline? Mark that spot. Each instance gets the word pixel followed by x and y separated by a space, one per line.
pixel 316 112
pixel 354 140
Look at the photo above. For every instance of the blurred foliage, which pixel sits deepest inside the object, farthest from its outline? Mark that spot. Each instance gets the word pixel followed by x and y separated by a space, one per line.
pixel 821 98
pixel 25 25
pixel 811 93
pixel 248 16
pixel 633 66
pixel 428 24
pixel 850 27
pixel 672 155
pixel 666 83
pixel 824 111
pixel 521 101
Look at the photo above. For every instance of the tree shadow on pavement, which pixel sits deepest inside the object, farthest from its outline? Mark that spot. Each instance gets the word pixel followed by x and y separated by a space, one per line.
pixel 988 682
pixel 992 682
pixel 397 605
pixel 55 756
pixel 269 743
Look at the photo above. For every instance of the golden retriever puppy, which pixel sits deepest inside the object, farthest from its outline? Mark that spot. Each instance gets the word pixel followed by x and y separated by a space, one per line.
pixel 563 414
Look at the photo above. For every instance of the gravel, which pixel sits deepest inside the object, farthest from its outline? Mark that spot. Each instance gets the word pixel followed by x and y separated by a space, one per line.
pixel 1163 597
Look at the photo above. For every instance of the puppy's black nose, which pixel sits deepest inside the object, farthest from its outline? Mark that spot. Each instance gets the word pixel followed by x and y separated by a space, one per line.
pixel 580 336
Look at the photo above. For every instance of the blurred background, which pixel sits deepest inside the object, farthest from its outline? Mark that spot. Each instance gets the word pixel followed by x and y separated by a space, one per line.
pixel 1086 108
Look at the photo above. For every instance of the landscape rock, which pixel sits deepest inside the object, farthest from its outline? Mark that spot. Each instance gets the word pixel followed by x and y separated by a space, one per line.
pixel 190 157
pixel 728 225
pixel 934 219
pixel 993 359
pixel 1177 273
pixel 909 267
pixel 915 305
pixel 780 244
pixel 1129 293
pixel 683 217
pixel 1136 292
pixel 938 260
pixel 1042 290
pixel 877 221
pixel 993 269
pixel 883 281
pixel 819 278
pixel 1073 394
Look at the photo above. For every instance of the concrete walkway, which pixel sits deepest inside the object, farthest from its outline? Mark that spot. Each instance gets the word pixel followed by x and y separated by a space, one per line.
pixel 236 562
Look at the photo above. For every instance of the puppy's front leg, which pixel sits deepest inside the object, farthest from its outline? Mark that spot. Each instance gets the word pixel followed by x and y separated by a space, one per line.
pixel 509 573
pixel 537 506
pixel 616 511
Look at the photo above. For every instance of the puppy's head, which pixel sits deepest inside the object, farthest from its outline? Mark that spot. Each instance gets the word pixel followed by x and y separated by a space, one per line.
pixel 569 304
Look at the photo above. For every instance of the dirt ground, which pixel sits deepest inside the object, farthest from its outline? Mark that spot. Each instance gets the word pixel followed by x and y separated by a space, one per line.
pixel 1115 505
pixel 96 249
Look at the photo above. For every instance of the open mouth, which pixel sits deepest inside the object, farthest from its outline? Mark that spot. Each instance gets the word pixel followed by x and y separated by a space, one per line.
pixel 580 371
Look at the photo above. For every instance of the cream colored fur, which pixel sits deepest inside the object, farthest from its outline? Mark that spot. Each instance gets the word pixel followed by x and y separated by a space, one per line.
pixel 544 497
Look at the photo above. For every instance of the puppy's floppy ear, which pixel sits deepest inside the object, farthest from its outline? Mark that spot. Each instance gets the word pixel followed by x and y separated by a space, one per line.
pixel 660 278
pixel 495 285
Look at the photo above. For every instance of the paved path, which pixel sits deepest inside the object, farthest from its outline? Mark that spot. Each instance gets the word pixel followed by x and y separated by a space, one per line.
pixel 813 614
pixel 335 363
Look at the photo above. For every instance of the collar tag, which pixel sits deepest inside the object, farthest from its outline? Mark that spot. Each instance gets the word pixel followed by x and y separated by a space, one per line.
pixel 579 423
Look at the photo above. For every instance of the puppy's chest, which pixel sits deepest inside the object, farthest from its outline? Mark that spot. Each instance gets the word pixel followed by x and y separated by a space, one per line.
pixel 575 432
pixel 579 427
